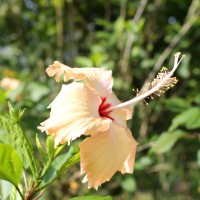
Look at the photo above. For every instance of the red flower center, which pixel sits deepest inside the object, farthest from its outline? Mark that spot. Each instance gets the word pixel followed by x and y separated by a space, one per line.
pixel 103 112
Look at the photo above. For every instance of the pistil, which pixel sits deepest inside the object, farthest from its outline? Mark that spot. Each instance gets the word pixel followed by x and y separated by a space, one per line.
pixel 164 81
pixel 104 110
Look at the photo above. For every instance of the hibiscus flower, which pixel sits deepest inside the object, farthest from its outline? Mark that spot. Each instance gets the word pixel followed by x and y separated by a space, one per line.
pixel 89 107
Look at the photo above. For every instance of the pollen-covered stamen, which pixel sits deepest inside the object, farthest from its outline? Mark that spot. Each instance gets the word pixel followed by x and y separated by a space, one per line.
pixel 167 84
pixel 161 83
pixel 103 112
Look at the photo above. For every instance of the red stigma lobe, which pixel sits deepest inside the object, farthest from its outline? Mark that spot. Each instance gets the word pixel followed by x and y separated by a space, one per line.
pixel 103 109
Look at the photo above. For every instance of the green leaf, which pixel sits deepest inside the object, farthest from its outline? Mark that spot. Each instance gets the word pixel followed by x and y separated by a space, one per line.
pixel 48 155
pixel 14 135
pixel 92 198
pixel 176 104
pixel 51 153
pixel 119 25
pixel 83 61
pixel 129 184
pixel 58 149
pixel 166 141
pixel 143 163
pixel 40 148
pixel 70 162
pixel 2 96
pixel 102 22
pixel 15 115
pixel 189 119
pixel 10 164
pixel 50 146
pixel 37 91
pixel 60 165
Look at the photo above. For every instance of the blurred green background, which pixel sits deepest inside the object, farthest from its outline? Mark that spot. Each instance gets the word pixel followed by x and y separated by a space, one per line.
pixel 134 39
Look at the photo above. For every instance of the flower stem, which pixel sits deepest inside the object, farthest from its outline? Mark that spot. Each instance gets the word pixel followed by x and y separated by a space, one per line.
pixel 20 193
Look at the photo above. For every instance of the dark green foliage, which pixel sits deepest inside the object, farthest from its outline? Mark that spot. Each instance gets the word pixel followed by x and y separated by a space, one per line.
pixel 94 34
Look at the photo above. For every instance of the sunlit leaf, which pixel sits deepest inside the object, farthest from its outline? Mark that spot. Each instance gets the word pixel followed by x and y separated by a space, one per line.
pixel 16 115
pixel 50 146
pixel 37 91
pixel 2 96
pixel 60 165
pixel 14 135
pixel 40 148
pixel 143 163
pixel 189 119
pixel 83 61
pixel 119 25
pixel 10 164
pixel 166 141
pixel 102 22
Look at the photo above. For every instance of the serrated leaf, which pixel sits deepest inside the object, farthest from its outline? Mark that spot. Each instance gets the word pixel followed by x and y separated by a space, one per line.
pixel 12 112
pixel 92 198
pixel 10 164
pixel 189 119
pixel 14 135
pixel 166 141
pixel 16 115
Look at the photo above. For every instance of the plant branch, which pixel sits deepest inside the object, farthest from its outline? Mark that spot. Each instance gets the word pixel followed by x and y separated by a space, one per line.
pixel 20 193
pixel 190 18
pixel 131 37
pixel 59 27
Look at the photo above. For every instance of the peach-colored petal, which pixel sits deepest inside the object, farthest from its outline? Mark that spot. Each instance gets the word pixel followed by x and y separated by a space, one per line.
pixel 74 112
pixel 130 160
pixel 55 70
pixel 105 153
pixel 97 78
